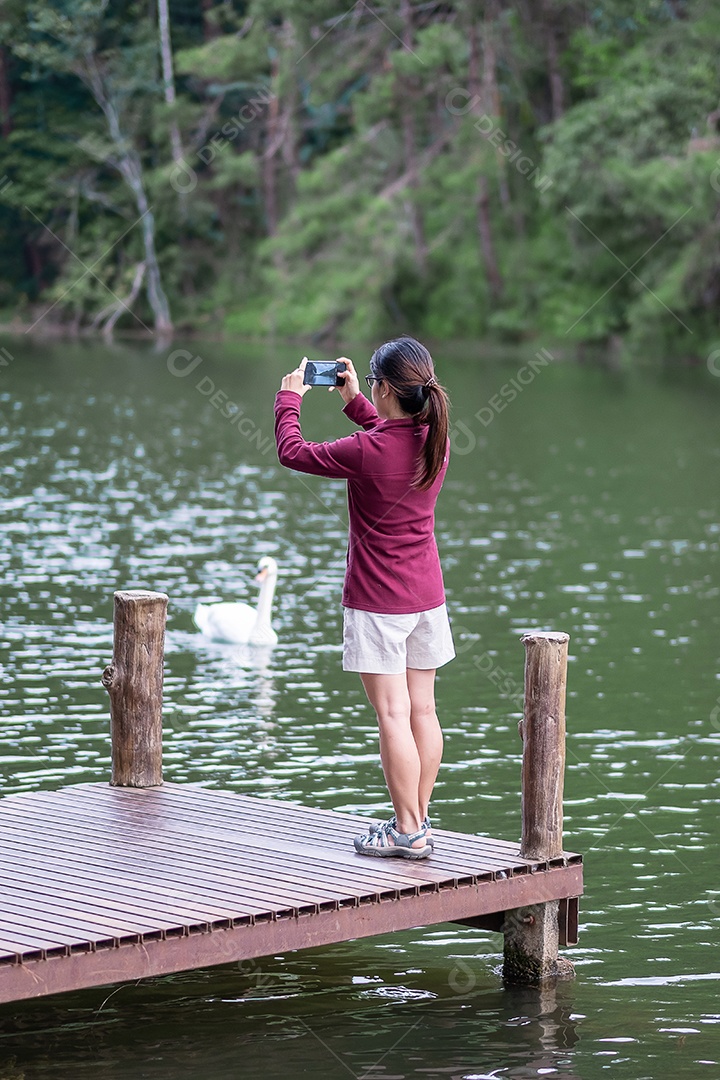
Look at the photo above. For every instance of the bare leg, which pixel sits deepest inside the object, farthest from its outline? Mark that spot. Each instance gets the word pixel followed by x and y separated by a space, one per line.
pixel 390 697
pixel 426 731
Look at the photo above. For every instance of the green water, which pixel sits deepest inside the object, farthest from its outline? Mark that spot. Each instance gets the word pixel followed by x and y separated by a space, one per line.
pixel 589 504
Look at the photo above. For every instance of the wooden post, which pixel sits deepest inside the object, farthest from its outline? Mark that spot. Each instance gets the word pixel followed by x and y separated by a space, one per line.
pixel 134 681
pixel 532 933
pixel 543 766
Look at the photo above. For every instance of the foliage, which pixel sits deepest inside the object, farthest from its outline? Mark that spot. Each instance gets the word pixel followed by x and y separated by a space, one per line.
pixel 547 169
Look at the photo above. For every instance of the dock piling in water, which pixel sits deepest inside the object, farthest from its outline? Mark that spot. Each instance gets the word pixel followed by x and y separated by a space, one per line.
pixel 134 681
pixel 532 934
pixel 543 766
pixel 107 883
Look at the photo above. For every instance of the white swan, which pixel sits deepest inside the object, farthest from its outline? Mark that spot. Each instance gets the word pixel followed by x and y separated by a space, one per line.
pixel 240 623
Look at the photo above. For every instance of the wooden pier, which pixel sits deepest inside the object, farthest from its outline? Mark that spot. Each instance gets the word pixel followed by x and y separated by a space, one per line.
pixel 106 883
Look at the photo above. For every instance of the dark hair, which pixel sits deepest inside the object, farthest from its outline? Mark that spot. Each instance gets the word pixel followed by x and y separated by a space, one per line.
pixel 407 367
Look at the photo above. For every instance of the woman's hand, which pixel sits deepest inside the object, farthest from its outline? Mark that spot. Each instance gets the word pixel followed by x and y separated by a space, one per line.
pixel 294 380
pixel 351 387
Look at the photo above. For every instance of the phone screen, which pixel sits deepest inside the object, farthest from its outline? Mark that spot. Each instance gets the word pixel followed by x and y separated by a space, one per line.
pixel 322 372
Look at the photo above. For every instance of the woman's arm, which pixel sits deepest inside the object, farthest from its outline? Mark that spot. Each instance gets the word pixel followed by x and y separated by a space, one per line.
pixel 357 407
pixel 362 412
pixel 340 459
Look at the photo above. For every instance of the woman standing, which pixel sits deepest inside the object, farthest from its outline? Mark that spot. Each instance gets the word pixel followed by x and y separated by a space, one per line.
pixel 396 631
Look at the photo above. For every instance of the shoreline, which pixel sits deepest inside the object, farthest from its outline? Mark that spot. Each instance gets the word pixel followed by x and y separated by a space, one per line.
pixel 612 354
pixel 490 346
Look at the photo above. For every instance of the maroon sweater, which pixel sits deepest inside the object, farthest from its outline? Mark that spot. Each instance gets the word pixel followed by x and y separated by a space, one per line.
pixel 392 561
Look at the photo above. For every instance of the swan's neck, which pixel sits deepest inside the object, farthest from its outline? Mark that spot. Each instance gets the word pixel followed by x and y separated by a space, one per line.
pixel 264 607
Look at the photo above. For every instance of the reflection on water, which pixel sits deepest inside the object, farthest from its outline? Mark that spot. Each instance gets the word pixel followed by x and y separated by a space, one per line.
pixel 385 1010
pixel 590 506
pixel 302 1022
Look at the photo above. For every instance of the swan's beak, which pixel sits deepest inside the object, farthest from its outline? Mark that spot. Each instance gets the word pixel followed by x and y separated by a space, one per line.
pixel 262 575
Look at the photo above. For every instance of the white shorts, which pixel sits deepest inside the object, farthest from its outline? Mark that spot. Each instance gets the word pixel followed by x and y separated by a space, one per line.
pixel 389 644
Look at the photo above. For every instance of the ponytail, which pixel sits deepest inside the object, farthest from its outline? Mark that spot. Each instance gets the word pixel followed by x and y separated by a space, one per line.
pixel 438 420
pixel 407 367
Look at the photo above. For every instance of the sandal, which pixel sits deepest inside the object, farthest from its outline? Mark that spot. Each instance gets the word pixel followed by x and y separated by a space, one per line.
pixel 387 843
pixel 392 822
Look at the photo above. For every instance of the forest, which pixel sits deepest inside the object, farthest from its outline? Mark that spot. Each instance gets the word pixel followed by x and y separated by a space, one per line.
pixel 541 170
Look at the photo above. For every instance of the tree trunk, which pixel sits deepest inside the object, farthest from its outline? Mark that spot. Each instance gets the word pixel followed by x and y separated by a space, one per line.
pixel 487 243
pixel 491 93
pixel 417 224
pixel 268 171
pixel 416 220
pixel 557 87
pixel 210 30
pixel 290 110
pixel 168 76
pixel 478 91
pixel 5 94
pixel 110 314
pixel 35 265
pixel 130 168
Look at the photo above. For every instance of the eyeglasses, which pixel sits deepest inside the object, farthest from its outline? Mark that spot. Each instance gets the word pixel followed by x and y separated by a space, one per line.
pixel 370 379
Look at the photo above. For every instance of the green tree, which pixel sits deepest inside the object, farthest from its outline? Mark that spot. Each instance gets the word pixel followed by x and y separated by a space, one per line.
pixel 76 42
pixel 545 168
pixel 633 168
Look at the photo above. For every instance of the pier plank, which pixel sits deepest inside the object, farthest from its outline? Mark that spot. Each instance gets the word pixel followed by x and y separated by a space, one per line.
pixel 103 884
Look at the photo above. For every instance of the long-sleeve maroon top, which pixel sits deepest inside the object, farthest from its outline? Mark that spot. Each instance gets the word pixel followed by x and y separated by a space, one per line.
pixel 392 561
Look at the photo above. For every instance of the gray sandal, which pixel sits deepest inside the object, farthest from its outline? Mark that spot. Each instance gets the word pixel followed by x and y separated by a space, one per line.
pixel 387 843
pixel 392 822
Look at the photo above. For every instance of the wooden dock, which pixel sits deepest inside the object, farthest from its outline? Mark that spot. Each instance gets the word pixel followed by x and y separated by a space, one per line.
pixel 103 884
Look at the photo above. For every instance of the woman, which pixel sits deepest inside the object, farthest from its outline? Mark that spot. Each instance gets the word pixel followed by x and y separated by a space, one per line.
pixel 396 631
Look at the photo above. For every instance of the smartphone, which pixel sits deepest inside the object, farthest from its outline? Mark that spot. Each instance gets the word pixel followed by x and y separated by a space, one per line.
pixel 324 373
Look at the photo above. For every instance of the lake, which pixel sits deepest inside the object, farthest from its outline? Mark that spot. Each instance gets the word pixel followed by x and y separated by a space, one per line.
pixel 579 498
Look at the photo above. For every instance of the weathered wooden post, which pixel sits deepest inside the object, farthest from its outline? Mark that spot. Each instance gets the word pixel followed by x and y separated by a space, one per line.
pixel 532 933
pixel 134 681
